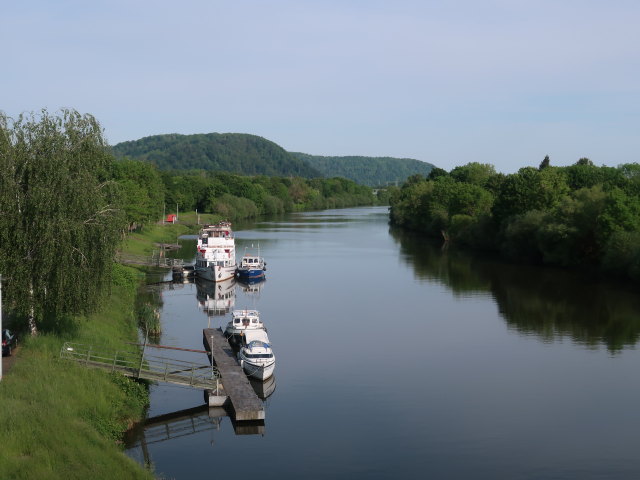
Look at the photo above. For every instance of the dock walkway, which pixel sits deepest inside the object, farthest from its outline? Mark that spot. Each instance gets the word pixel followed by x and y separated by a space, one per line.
pixel 146 367
pixel 245 402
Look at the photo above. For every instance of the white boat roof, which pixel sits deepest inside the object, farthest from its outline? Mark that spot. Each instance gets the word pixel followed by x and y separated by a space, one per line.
pixel 256 335
pixel 216 230
pixel 245 313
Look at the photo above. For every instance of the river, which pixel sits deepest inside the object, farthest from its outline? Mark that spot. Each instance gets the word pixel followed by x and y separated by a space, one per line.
pixel 399 359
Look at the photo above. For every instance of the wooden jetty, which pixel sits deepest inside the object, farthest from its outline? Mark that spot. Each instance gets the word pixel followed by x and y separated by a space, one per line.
pixel 245 402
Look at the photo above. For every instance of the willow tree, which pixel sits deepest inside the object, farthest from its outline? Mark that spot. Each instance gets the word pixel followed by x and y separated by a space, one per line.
pixel 59 221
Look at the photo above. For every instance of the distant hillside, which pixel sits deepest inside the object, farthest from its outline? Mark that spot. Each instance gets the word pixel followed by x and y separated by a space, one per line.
pixel 372 171
pixel 228 152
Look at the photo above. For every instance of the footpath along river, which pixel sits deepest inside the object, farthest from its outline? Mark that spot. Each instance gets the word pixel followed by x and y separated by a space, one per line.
pixel 398 359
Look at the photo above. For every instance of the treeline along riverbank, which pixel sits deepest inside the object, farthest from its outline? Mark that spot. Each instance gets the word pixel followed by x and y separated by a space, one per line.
pixel 577 216
pixel 66 206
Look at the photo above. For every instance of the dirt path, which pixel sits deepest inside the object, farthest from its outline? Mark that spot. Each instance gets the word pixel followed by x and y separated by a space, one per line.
pixel 7 362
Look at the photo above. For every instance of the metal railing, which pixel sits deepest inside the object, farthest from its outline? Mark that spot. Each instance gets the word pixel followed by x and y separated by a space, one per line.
pixel 153 260
pixel 144 366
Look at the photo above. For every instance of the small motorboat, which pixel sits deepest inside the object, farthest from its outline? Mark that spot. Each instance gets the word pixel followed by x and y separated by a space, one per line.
pixel 256 356
pixel 241 322
pixel 251 267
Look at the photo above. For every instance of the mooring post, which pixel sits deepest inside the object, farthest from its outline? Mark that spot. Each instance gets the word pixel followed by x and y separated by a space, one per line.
pixel 142 357
pixel 115 360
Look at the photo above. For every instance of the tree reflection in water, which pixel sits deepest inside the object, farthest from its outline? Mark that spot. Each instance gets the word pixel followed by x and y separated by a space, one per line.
pixel 548 302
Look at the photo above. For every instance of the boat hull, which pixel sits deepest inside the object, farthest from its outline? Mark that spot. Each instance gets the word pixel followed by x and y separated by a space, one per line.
pixel 250 274
pixel 216 273
pixel 259 372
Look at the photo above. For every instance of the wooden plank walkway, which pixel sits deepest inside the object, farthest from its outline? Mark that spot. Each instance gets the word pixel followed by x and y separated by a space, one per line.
pixel 245 402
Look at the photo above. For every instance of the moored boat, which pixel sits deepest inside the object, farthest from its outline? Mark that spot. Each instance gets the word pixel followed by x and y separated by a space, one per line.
pixel 251 267
pixel 256 356
pixel 216 252
pixel 243 321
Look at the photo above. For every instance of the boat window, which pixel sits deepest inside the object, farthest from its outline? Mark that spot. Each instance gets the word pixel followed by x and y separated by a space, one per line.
pixel 258 355
pixel 254 321
pixel 237 320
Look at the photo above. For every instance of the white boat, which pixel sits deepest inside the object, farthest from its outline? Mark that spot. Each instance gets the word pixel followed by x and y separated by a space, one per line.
pixel 256 356
pixel 216 252
pixel 243 320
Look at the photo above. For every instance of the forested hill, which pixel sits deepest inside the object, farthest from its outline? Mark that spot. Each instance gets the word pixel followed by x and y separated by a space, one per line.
pixel 372 171
pixel 228 152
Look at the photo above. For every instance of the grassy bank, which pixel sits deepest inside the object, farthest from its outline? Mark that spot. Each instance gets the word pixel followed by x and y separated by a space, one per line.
pixel 61 420
pixel 142 242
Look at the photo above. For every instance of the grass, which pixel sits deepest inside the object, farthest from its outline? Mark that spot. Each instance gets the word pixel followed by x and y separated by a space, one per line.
pixel 61 420
pixel 142 243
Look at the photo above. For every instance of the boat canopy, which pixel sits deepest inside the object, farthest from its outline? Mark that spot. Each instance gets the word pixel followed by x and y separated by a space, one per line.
pixel 256 336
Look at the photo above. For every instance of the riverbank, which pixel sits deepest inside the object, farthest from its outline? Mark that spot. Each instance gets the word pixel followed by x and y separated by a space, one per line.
pixel 62 420
pixel 144 241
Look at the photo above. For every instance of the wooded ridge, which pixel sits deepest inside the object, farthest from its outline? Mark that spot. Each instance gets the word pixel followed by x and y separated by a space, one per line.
pixel 252 155
pixel 221 152
pixel 372 171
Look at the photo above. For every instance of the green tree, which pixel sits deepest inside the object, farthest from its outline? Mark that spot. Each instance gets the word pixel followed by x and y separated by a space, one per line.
pixel 545 163
pixel 142 189
pixel 529 189
pixel 59 223
pixel 474 173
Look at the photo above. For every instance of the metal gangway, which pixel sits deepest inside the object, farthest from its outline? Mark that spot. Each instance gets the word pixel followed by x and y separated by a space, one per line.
pixel 141 365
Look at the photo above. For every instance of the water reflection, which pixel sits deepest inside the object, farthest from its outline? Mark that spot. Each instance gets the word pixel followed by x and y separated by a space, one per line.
pixel 549 303
pixel 216 298
pixel 182 423
pixel 263 389
pixel 252 287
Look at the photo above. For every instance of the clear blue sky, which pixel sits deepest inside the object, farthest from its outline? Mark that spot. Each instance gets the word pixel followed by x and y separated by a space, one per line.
pixel 499 81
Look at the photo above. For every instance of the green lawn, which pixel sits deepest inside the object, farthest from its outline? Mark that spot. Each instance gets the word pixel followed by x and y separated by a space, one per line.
pixel 60 420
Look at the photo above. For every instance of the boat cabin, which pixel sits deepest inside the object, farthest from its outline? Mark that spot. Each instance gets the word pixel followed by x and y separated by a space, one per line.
pixel 243 319
pixel 251 262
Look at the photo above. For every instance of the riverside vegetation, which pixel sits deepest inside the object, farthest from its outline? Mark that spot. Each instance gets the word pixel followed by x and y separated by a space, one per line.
pixel 66 205
pixel 577 216
pixel 252 155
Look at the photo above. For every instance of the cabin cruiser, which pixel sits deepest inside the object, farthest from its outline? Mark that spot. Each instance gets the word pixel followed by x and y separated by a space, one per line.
pixel 216 253
pixel 251 267
pixel 256 356
pixel 241 322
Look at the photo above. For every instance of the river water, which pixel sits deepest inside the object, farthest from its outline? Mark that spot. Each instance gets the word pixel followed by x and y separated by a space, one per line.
pixel 399 359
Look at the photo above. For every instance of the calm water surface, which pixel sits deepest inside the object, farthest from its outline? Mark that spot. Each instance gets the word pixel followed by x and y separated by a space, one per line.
pixel 396 359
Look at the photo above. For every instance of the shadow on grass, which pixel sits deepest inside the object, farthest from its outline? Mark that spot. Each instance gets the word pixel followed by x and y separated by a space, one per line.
pixel 64 325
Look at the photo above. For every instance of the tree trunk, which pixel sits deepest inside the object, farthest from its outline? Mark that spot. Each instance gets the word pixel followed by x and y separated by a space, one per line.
pixel 33 328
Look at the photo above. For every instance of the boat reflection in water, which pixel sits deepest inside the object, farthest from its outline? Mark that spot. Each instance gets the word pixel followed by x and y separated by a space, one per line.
pixel 252 286
pixel 216 298
pixel 263 389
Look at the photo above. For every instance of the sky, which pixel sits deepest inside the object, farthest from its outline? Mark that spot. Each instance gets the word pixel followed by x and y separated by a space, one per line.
pixel 504 82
